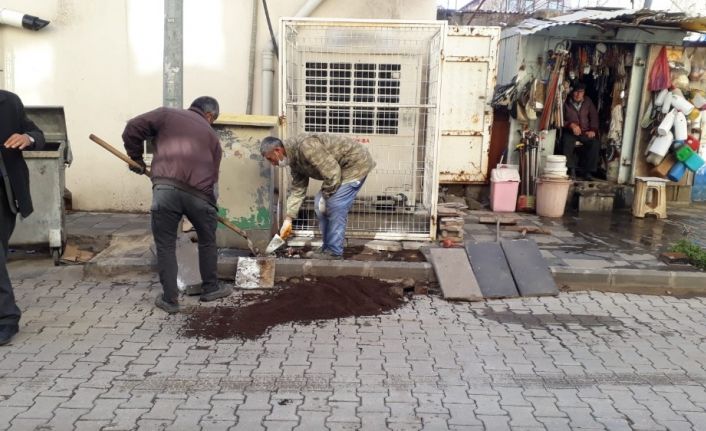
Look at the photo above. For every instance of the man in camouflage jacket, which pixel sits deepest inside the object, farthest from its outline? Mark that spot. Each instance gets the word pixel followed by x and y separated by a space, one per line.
pixel 340 162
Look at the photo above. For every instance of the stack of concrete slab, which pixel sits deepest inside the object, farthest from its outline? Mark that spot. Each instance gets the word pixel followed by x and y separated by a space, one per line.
pixel 505 269
pixel 450 216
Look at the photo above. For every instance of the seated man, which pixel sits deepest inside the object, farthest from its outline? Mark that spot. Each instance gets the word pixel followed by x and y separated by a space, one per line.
pixel 580 135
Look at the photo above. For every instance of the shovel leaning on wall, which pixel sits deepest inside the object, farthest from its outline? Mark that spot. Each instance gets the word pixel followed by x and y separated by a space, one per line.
pixel 258 271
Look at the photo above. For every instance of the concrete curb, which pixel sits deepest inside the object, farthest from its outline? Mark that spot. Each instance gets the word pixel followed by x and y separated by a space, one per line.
pixel 118 267
pixel 619 280
pixel 285 268
pixel 676 283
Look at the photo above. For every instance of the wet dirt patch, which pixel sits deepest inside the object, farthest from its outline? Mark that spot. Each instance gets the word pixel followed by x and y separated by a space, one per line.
pixel 541 321
pixel 299 300
pixel 361 253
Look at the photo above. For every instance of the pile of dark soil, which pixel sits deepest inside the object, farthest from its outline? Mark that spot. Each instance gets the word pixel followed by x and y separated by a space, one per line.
pixel 361 253
pixel 301 301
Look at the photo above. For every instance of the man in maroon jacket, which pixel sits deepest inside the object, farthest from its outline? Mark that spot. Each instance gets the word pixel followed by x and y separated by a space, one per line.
pixel 580 134
pixel 187 156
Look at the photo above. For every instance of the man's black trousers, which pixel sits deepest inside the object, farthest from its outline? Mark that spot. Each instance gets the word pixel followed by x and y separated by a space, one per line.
pixel 9 312
pixel 585 156
pixel 169 204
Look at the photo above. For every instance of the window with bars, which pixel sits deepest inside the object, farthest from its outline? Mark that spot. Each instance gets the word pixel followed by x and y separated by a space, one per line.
pixel 357 97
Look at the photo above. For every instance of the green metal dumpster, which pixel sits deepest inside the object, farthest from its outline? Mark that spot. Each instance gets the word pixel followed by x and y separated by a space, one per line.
pixel 47 224
pixel 245 180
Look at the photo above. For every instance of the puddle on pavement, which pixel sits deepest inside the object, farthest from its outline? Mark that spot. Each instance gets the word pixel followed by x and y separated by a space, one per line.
pixel 620 230
pixel 299 300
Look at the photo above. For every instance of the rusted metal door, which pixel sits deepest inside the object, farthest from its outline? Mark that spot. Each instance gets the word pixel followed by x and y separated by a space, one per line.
pixel 468 79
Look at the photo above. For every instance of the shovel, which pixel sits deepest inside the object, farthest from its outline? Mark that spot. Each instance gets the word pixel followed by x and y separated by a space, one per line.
pixel 134 164
pixel 258 271
pixel 274 244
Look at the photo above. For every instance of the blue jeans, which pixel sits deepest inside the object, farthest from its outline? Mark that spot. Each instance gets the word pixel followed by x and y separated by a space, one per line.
pixel 333 223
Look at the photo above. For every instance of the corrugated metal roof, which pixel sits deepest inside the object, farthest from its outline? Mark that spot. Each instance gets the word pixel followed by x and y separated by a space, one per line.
pixel 593 17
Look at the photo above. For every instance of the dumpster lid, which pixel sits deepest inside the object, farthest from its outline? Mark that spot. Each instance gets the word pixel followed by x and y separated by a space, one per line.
pixel 504 174
pixel 52 121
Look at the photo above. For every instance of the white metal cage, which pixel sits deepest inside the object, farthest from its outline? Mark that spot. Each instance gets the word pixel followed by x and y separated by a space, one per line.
pixel 378 82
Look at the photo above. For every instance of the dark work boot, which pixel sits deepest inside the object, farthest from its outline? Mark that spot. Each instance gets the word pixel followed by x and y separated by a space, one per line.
pixel 221 292
pixel 166 306
pixel 7 332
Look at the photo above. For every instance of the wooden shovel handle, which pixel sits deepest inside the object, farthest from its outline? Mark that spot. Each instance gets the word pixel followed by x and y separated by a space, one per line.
pixel 118 154
pixel 122 156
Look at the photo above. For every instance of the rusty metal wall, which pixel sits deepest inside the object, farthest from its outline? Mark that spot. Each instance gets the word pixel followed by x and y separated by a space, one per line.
pixel 468 79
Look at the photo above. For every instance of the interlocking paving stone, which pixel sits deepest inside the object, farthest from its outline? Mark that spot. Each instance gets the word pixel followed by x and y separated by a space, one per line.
pixel 593 360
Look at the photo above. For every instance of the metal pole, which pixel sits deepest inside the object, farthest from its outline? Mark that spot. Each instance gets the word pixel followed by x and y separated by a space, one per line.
pixel 173 68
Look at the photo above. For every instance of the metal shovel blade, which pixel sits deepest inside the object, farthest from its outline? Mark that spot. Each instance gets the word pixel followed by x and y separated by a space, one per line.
pixel 274 244
pixel 255 273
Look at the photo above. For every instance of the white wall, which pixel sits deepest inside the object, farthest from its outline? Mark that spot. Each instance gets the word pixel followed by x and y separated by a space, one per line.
pixel 102 61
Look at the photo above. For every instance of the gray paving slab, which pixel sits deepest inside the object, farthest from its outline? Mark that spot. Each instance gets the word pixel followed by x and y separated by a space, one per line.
pixel 529 269
pixel 580 360
pixel 454 273
pixel 491 269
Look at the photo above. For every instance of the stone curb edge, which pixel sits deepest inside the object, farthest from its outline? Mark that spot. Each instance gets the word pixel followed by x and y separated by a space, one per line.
pixel 607 280
pixel 625 280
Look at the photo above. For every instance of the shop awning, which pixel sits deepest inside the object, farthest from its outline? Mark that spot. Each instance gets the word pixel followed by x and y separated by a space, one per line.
pixel 610 18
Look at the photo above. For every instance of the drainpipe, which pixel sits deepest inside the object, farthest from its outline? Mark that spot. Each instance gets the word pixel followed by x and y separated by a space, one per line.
pixel 173 61
pixel 21 20
pixel 268 63
pixel 251 57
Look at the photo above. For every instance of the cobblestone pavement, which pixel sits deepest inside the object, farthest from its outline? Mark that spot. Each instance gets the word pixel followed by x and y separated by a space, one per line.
pixel 97 355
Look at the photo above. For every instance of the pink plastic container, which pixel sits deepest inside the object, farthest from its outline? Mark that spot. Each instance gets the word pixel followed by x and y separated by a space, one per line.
pixel 504 184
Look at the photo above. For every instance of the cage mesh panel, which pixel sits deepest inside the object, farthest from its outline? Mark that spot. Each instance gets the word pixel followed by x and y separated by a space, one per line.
pixel 378 84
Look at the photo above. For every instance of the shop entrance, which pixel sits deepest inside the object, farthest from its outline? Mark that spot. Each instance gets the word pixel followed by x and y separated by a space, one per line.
pixel 603 70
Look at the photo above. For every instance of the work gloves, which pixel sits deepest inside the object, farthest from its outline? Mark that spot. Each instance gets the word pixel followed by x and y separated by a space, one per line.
pixel 142 169
pixel 286 229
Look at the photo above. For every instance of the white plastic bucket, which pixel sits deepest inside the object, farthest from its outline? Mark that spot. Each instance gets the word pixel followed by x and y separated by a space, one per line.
pixel 555 166
pixel 551 196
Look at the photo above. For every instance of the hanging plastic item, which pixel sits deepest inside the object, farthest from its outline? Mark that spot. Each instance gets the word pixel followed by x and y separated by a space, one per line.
pixel 680 129
pixel 682 105
pixel 659 74
pixel 677 171
pixel 667 103
pixel 660 144
pixel 698 99
pixel 693 142
pixel 659 100
pixel 667 122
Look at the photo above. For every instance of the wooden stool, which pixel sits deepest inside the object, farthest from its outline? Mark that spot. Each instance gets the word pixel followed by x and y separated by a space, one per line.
pixel 650 197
